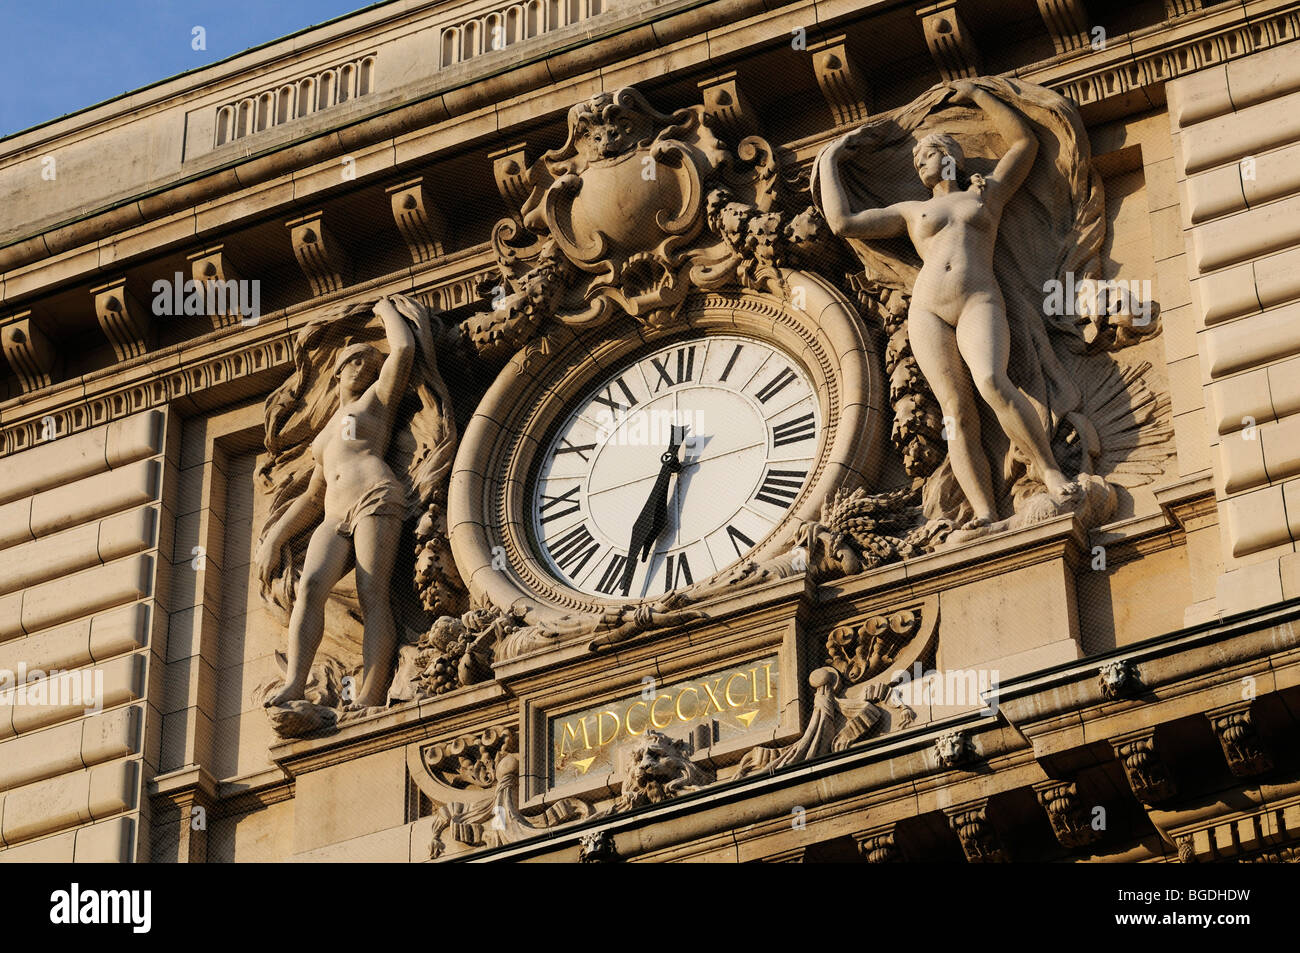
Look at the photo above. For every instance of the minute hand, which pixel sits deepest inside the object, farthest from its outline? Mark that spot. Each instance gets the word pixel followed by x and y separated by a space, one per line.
pixel 654 515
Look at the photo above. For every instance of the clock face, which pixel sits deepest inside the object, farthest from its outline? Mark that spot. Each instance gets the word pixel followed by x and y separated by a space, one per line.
pixel 675 467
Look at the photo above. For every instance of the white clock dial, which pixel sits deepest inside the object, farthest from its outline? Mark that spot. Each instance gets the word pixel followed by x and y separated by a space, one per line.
pixel 618 475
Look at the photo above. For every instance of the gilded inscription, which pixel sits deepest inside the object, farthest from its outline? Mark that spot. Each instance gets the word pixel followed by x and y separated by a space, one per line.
pixel 719 705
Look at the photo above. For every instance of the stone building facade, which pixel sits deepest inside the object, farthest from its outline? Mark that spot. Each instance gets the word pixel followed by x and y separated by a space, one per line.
pixel 600 202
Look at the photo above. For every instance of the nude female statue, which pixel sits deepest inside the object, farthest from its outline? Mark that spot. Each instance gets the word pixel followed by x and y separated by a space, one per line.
pixel 957 321
pixel 360 504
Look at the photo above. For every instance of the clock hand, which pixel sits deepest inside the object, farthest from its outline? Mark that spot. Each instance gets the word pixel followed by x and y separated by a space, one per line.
pixel 654 515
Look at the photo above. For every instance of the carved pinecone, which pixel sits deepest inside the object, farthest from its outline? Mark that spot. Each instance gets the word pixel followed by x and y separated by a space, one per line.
pixel 882 525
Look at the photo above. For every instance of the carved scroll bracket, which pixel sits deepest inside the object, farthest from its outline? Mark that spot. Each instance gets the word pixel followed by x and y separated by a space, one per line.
pixel 124 321
pixel 510 169
pixel 1069 817
pixel 950 42
pixel 726 108
pixel 1067 22
pixel 1148 776
pixel 34 359
pixel 879 846
pixel 841 81
pixel 418 219
pixel 214 265
pixel 979 839
pixel 1239 736
pixel 320 255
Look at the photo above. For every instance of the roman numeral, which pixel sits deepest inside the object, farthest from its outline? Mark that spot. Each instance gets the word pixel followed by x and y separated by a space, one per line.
pixel 610 401
pixel 780 487
pixel 679 574
pixel 731 362
pixel 579 449
pixel 685 368
pixel 775 385
pixel 574 550
pixel 737 537
pixel 568 501
pixel 794 431
pixel 613 576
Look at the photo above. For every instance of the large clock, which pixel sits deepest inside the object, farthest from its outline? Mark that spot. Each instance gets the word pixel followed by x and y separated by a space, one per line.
pixel 621 463
pixel 674 465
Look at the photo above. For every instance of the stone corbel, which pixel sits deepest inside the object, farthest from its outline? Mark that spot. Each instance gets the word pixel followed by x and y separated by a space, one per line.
pixel 34 359
pixel 422 226
pixel 949 41
pixel 1176 8
pixel 727 109
pixel 510 169
pixel 1069 818
pixel 1067 22
pixel 979 841
pixel 1148 775
pixel 841 81
pixel 878 846
pixel 322 259
pixel 1239 736
pixel 214 265
pixel 124 322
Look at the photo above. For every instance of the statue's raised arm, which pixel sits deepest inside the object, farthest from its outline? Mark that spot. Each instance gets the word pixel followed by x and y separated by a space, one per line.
pixel 1022 144
pixel 836 204
pixel 396 370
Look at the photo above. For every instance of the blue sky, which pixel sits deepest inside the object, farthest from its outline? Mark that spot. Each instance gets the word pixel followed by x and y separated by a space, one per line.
pixel 58 56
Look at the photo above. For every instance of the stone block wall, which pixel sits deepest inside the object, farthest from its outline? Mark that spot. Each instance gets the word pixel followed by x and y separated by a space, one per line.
pixel 85 538
pixel 1236 130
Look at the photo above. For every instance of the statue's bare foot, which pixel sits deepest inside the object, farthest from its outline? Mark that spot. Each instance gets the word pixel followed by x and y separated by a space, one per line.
pixel 1062 490
pixel 971 530
pixel 289 693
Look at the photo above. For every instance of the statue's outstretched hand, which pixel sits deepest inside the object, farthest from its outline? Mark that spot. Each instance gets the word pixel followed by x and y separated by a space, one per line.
pixel 412 310
pixel 846 145
pixel 269 559
pixel 963 90
pixel 387 306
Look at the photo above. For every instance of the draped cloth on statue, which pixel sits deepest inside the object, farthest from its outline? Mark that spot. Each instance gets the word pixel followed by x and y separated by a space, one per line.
pixel 1054 224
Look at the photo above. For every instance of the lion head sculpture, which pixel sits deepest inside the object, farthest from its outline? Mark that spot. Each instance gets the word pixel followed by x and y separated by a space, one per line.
pixel 659 768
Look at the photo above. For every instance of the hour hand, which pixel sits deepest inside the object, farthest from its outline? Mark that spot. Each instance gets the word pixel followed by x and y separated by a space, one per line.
pixel 654 515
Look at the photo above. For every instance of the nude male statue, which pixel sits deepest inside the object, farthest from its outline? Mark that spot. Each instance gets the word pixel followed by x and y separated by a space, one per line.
pixel 360 504
pixel 957 321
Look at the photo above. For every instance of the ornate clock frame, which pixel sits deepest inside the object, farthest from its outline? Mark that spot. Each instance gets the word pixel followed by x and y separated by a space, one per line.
pixel 490 481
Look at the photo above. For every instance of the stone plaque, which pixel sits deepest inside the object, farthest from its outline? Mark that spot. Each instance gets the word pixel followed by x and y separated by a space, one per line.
pixel 740 700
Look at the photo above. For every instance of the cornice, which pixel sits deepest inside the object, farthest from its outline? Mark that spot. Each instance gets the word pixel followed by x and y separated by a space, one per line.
pixel 1132 64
